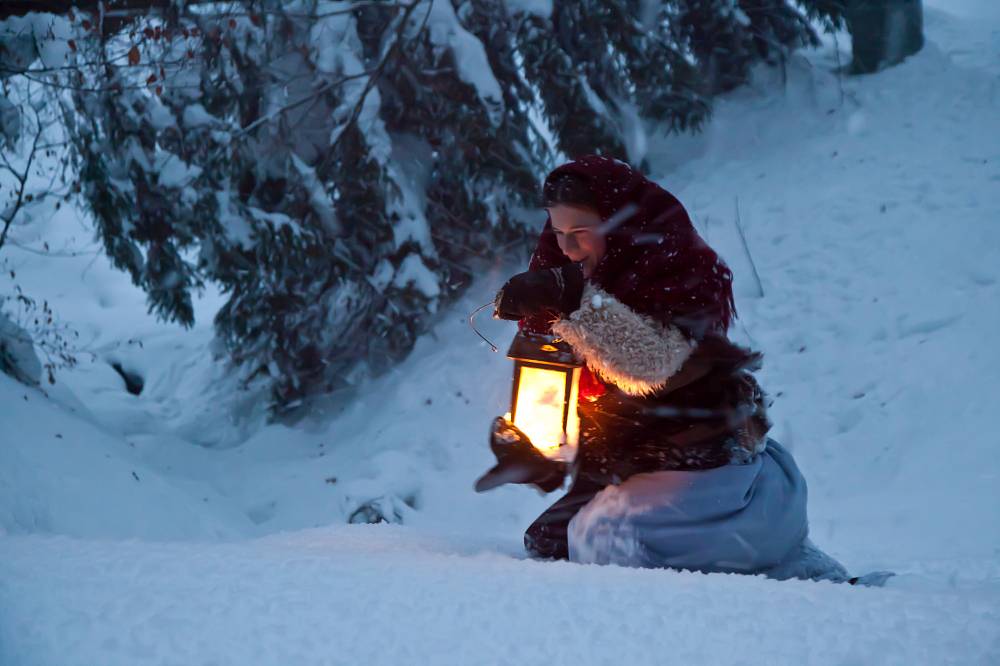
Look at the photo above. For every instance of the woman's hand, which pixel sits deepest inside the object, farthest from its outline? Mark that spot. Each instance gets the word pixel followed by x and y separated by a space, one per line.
pixel 518 461
pixel 555 292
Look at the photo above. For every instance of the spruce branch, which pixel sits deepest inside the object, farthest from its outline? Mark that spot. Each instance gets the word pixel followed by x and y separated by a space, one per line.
pixel 387 55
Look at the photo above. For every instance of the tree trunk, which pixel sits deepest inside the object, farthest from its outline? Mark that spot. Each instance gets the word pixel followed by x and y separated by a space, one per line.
pixel 884 32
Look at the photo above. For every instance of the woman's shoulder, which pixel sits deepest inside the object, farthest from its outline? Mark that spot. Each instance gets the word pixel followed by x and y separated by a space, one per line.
pixel 719 351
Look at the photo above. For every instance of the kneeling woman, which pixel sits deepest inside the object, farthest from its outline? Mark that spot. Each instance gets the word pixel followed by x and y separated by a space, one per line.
pixel 674 467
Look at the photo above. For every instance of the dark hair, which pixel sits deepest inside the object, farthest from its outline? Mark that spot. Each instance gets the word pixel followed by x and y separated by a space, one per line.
pixel 570 189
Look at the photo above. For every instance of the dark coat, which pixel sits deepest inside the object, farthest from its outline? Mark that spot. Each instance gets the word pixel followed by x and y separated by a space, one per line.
pixel 710 413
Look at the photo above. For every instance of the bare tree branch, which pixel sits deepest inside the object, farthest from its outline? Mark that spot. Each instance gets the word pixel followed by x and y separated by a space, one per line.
pixel 373 79
pixel 22 180
pixel 329 85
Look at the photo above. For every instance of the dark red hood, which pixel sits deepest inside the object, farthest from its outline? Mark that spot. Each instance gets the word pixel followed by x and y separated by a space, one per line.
pixel 655 262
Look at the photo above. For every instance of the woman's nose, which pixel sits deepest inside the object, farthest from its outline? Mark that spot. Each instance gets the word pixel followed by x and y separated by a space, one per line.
pixel 568 244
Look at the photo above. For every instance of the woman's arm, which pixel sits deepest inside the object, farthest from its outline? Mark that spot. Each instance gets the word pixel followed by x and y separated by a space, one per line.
pixel 632 351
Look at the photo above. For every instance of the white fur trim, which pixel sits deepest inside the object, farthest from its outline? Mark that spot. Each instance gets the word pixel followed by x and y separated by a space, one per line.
pixel 632 351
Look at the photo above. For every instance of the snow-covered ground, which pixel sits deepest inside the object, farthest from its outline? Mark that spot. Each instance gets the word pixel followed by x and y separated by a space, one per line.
pixel 159 529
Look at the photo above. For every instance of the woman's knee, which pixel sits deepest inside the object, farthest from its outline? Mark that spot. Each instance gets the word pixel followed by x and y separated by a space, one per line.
pixel 546 541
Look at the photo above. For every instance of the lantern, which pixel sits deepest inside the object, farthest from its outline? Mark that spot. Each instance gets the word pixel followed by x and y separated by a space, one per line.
pixel 544 394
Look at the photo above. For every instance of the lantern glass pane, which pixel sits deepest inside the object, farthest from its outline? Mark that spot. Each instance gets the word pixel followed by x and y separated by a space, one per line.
pixel 573 418
pixel 541 400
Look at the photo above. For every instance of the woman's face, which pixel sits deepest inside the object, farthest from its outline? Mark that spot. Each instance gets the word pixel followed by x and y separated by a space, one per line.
pixel 579 233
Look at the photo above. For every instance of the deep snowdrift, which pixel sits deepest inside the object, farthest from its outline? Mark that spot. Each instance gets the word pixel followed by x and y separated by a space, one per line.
pixel 870 208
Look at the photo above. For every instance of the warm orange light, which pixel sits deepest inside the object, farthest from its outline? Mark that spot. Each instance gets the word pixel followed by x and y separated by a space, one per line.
pixel 541 404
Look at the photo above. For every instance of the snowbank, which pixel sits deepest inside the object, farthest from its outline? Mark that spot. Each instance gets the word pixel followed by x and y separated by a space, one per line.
pixel 391 595
pixel 60 473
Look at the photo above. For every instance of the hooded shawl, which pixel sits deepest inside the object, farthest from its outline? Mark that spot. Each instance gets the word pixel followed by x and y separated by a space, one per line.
pixel 655 262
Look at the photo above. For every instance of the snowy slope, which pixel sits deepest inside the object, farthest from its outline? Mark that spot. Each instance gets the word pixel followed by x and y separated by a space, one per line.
pixel 60 473
pixel 871 209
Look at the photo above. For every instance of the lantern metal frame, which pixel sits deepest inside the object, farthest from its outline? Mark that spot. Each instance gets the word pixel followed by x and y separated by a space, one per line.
pixel 544 352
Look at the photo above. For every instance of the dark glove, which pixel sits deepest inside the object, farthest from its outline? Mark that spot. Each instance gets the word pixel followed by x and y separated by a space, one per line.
pixel 555 292
pixel 518 461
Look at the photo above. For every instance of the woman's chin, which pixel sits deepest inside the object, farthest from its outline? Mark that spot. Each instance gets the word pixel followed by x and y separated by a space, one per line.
pixel 586 263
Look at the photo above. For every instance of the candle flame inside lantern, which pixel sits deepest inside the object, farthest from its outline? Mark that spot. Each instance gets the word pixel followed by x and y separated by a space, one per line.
pixel 541 403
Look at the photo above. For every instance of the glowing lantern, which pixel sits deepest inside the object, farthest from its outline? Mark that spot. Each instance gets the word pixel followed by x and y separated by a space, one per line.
pixel 544 394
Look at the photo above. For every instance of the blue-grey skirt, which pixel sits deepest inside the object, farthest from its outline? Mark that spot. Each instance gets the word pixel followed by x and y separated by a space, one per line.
pixel 748 518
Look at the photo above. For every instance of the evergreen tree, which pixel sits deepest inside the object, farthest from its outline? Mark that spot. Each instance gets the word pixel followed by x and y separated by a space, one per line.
pixel 341 169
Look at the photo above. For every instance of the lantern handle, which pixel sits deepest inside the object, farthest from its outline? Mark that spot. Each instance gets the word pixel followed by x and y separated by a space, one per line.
pixel 472 324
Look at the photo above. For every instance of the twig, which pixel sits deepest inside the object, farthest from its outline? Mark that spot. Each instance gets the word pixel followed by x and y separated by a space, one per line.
pixel 746 249
pixel 840 68
pixel 297 103
pixel 22 181
pixel 52 253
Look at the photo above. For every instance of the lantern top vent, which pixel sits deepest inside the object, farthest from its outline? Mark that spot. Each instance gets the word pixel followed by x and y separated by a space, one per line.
pixel 545 349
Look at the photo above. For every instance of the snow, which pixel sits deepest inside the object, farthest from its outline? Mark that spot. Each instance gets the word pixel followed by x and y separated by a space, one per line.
pixel 48 33
pixel 414 272
pixel 469 56
pixel 195 115
pixel 409 169
pixel 541 8
pixel 869 207
pixel 173 171
pixel 237 228
pixel 327 37
pixel 17 352
pixel 632 130
pixel 307 598
pixel 60 473
pixel 160 116
pixel 412 224
pixel 382 276
pixel 318 196
pixel 336 47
